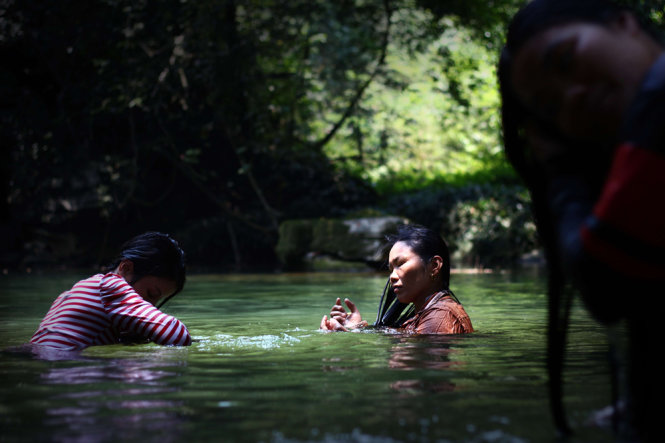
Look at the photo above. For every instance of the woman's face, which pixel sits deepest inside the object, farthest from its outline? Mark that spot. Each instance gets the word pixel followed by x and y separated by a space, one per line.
pixel 409 275
pixel 581 77
pixel 153 289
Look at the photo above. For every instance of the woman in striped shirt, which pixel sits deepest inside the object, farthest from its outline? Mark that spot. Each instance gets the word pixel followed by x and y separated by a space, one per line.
pixel 121 305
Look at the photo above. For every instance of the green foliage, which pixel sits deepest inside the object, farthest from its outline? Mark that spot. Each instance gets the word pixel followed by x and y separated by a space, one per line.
pixel 484 225
pixel 432 114
pixel 486 18
pixel 494 230
pixel 218 119
pixel 653 10
pixel 124 116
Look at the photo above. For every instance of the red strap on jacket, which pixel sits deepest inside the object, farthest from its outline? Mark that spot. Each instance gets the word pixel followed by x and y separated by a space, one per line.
pixel 627 230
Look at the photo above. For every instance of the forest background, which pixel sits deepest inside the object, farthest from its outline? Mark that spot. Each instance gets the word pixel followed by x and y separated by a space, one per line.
pixel 218 120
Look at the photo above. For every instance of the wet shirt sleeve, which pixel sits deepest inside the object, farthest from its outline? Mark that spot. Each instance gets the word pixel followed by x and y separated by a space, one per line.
pixel 129 312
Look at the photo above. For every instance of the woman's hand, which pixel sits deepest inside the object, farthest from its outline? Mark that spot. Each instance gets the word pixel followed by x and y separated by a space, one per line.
pixel 340 320
pixel 331 325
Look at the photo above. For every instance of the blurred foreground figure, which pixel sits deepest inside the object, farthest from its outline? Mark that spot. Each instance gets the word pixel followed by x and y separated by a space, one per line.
pixel 583 91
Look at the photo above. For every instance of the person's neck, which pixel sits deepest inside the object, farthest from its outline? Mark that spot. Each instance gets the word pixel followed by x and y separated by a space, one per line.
pixel 423 301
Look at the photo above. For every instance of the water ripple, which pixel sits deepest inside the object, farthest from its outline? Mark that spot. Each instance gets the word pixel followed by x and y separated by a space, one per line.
pixel 236 343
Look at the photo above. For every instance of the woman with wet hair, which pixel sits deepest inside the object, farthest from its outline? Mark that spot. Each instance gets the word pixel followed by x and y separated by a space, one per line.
pixel 122 304
pixel 417 298
pixel 583 109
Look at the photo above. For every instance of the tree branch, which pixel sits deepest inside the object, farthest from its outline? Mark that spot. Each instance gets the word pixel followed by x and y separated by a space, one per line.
pixel 349 110
pixel 193 177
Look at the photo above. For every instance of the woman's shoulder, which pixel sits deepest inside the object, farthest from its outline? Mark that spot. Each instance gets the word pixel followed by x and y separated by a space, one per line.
pixel 90 282
pixel 112 282
pixel 443 300
pixel 444 314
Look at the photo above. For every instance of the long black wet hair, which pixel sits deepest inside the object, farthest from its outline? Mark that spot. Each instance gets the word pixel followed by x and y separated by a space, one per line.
pixel 156 254
pixel 426 244
pixel 536 17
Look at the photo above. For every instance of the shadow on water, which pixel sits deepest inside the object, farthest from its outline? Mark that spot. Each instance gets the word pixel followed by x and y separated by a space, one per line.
pixel 259 370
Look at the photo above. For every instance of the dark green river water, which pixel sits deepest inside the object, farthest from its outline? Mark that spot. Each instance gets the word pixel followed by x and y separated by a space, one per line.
pixel 260 370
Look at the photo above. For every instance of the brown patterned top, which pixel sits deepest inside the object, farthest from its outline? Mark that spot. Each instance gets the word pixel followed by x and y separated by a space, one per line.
pixel 442 315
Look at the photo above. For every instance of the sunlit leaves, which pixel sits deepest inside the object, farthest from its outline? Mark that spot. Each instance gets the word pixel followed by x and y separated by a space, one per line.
pixel 433 113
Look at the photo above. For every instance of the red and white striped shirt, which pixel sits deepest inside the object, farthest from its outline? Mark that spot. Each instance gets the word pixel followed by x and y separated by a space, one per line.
pixel 97 310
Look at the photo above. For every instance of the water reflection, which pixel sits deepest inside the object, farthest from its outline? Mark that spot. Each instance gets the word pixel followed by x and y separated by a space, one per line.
pixel 45 353
pixel 128 371
pixel 423 352
pixel 412 353
pixel 100 399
